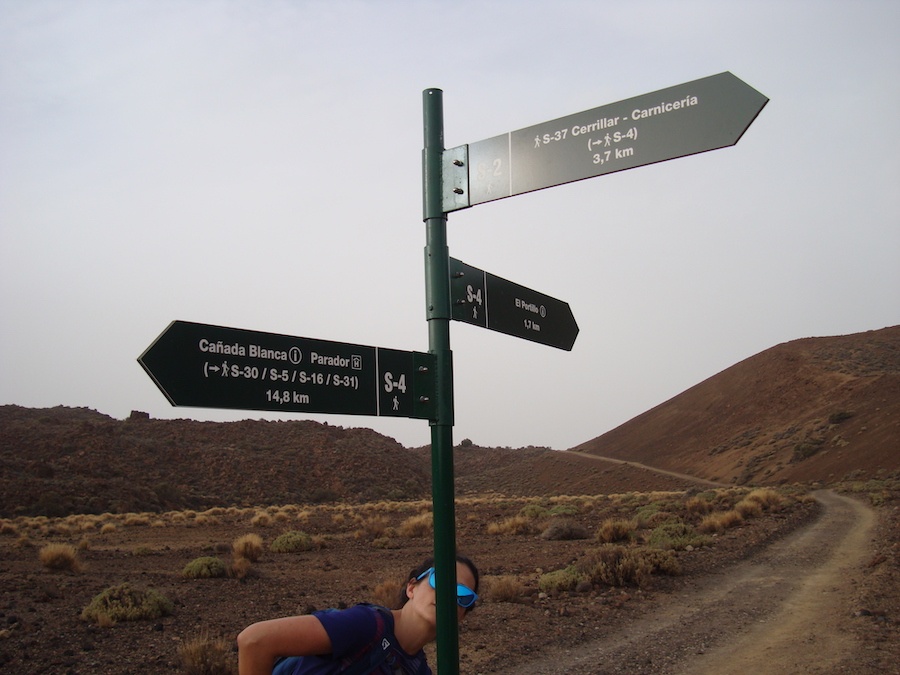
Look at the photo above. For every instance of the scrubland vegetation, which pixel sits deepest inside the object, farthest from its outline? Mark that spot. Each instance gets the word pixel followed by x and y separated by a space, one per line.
pixel 587 543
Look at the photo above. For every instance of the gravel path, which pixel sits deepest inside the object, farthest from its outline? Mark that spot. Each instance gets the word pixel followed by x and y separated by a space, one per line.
pixel 786 610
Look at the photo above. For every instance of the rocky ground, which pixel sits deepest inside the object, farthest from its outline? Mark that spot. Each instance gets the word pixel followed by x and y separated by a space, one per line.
pixel 361 552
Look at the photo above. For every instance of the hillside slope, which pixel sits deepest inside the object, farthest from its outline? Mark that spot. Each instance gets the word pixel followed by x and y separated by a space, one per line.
pixel 73 460
pixel 814 409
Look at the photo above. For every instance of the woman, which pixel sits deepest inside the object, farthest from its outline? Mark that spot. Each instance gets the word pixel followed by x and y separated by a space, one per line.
pixel 361 639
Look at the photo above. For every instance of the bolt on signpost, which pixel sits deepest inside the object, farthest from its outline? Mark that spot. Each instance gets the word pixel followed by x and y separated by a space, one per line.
pixel 216 367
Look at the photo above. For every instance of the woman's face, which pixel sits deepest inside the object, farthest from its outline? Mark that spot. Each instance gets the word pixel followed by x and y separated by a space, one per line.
pixel 423 596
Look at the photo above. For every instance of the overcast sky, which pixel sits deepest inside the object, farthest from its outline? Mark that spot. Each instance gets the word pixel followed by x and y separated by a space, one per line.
pixel 258 165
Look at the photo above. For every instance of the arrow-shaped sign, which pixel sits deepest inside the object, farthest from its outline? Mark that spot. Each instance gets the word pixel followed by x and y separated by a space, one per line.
pixel 215 367
pixel 687 119
pixel 489 301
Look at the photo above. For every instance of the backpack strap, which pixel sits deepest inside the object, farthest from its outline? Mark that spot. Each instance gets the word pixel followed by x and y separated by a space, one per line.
pixel 380 647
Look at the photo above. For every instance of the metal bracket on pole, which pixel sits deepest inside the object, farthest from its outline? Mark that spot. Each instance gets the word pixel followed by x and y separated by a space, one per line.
pixel 455 170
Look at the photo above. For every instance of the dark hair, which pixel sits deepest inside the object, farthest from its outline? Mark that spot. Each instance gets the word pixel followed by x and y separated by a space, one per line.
pixel 428 563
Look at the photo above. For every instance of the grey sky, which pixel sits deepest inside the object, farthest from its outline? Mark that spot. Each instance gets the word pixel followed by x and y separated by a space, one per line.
pixel 258 165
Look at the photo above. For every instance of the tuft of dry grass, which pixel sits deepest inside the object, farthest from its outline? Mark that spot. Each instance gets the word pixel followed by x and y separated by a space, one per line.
pixel 206 655
pixel 767 498
pixel 613 530
pixel 248 546
pixel 698 506
pixel 720 521
pixel 417 526
pixel 504 588
pixel 513 525
pixel 387 593
pixel 261 519
pixel 373 527
pixel 136 520
pixel 241 568
pixel 748 508
pixel 60 558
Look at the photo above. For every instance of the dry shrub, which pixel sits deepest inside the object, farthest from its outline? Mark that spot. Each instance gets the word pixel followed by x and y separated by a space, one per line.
pixel 620 566
pixel 616 566
pixel 241 568
pixel 8 529
pixel 135 520
pixel 698 506
pixel 564 529
pixel 417 526
pixel 261 519
pixel 373 527
pixel 387 593
pixel 60 558
pixel 249 546
pixel 748 508
pixel 206 567
pixel 566 579
pixel 533 511
pixel 504 588
pixel 612 530
pixel 107 528
pixel 513 525
pixel 676 536
pixel 125 603
pixel 717 522
pixel 205 655
pixel 768 499
pixel 292 541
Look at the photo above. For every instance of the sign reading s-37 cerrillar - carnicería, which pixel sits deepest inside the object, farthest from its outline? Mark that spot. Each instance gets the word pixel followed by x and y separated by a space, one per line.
pixel 686 119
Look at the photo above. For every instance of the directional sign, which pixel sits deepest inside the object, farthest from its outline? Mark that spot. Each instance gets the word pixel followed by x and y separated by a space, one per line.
pixel 491 302
pixel 215 367
pixel 687 119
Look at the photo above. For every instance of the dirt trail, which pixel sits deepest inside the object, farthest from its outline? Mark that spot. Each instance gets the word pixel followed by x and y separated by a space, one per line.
pixel 787 610
pixel 674 474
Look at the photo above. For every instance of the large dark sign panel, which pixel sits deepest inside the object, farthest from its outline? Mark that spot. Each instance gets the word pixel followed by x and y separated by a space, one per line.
pixel 687 119
pixel 216 367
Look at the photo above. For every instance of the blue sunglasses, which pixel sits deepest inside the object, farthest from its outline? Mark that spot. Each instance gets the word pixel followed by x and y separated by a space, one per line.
pixel 465 596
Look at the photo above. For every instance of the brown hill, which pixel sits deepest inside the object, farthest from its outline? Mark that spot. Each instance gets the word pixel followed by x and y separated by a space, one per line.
pixel 64 460
pixel 810 410
pixel 58 461
pixel 815 409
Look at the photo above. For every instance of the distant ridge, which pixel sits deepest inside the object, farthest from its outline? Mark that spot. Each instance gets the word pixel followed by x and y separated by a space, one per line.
pixel 57 461
pixel 815 409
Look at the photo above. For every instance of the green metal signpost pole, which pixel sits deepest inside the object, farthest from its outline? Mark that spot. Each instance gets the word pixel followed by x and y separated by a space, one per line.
pixel 437 292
